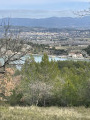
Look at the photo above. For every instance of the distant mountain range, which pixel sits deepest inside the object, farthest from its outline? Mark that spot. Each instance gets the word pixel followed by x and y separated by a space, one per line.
pixel 52 22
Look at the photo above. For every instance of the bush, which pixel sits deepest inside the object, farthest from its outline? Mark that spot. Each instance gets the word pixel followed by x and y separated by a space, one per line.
pixel 15 98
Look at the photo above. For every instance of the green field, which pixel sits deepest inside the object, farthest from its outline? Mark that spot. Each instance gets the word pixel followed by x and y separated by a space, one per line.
pixel 44 113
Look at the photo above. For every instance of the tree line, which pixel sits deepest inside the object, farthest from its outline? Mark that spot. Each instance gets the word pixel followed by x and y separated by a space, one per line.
pixel 51 83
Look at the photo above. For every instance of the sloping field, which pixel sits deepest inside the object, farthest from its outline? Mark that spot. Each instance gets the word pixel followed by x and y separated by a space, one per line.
pixel 44 113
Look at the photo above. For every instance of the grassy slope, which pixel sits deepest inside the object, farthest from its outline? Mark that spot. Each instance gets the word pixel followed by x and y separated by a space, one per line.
pixel 41 113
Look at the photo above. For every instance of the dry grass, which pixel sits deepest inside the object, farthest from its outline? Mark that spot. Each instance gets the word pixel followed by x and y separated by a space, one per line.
pixel 42 113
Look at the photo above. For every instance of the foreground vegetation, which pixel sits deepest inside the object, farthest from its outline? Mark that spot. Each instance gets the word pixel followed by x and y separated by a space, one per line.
pixel 42 113
pixel 65 84
pixel 51 83
pixel 88 50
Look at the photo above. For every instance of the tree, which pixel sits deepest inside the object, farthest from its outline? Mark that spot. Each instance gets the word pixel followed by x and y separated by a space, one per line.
pixel 87 94
pixel 38 79
pixel 88 50
pixel 11 51
pixel 82 13
pixel 48 70
pixel 36 93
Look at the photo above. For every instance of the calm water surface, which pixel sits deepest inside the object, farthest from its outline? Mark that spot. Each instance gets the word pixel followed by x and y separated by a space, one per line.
pixel 38 58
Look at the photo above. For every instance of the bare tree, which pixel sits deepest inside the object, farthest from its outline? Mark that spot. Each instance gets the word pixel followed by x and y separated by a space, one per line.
pixel 82 13
pixel 11 48
pixel 11 52
pixel 36 92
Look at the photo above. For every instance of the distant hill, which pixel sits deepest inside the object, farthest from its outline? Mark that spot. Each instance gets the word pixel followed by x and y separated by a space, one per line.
pixel 53 22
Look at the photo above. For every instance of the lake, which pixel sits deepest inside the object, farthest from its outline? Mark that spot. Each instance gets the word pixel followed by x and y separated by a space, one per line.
pixel 38 58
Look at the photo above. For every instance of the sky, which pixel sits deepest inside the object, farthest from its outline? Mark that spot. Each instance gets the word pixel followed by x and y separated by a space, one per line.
pixel 41 8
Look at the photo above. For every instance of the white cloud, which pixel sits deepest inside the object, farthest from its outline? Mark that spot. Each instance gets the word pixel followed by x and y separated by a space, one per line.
pixel 35 13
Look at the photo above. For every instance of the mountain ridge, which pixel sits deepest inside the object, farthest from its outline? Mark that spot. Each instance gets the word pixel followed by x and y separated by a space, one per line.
pixel 52 22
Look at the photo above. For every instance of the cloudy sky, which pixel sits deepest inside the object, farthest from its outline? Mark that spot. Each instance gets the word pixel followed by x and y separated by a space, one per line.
pixel 41 8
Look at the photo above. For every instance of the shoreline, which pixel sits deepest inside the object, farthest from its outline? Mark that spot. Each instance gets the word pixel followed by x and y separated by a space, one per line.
pixel 64 57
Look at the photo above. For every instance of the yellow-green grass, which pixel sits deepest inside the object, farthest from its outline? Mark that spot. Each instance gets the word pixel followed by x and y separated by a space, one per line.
pixel 44 113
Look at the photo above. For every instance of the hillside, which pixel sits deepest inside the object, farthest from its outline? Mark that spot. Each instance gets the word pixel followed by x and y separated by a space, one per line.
pixel 53 22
